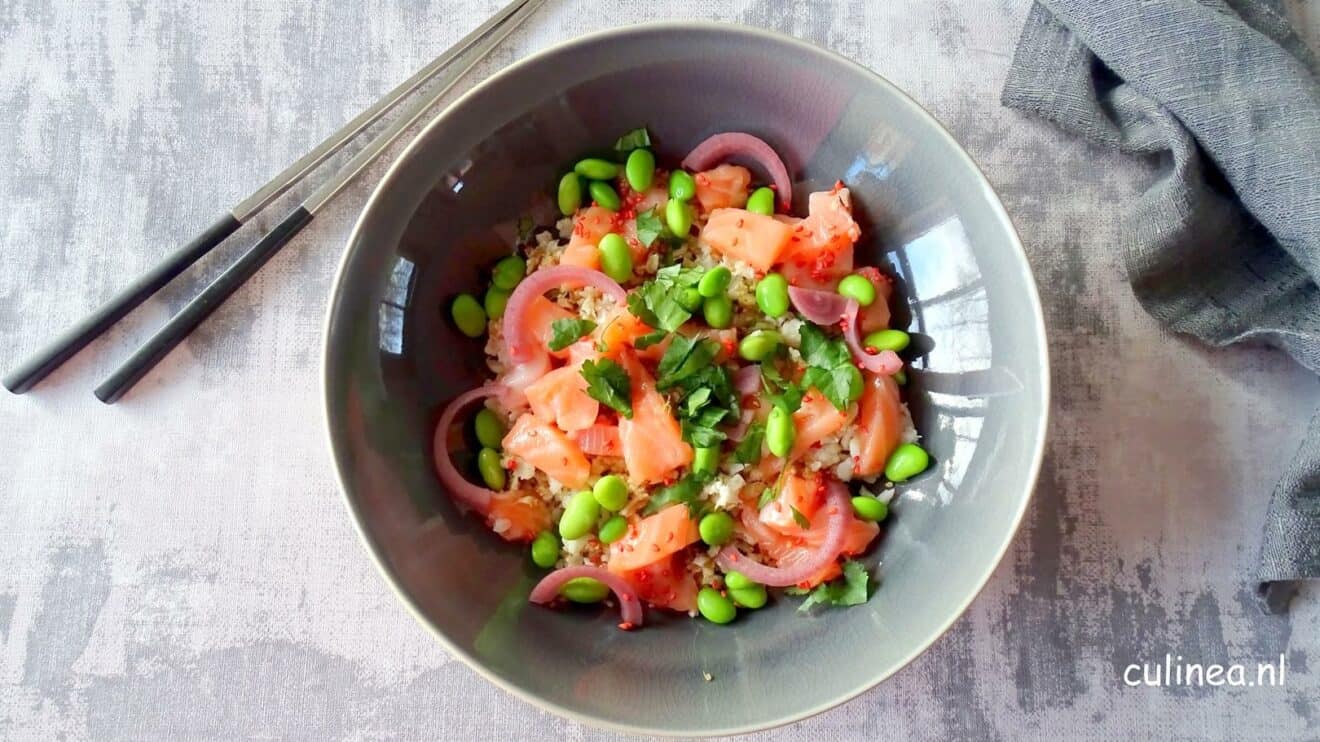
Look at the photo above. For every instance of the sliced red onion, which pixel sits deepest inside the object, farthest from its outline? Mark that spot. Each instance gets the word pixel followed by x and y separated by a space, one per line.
pixel 747 380
pixel 721 147
pixel 816 305
pixel 885 362
pixel 630 607
pixel 521 344
pixel 460 488
pixel 838 508
pixel 739 431
pixel 827 308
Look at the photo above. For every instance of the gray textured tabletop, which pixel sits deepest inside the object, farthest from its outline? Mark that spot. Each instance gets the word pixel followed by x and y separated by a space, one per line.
pixel 180 566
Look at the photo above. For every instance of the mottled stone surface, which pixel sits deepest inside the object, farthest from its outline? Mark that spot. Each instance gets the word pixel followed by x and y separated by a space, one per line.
pixel 179 566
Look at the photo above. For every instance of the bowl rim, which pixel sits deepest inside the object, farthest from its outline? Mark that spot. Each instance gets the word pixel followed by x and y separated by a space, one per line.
pixel 762 35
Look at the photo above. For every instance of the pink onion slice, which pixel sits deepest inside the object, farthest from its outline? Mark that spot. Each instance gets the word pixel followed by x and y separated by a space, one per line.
pixel 817 305
pixel 522 345
pixel 747 380
pixel 721 147
pixel 885 362
pixel 827 308
pixel 630 607
pixel 460 488
pixel 837 508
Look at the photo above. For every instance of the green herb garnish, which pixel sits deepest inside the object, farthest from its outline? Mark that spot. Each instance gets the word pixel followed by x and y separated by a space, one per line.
pixel 748 450
pixel 779 391
pixel 684 490
pixel 851 589
pixel 635 139
pixel 799 518
pixel 656 301
pixel 609 384
pixel 565 332
pixel 829 367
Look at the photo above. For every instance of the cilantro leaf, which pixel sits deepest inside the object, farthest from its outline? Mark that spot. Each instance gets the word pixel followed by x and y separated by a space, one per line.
pixel 684 490
pixel 780 391
pixel 565 332
pixel 799 518
pixel 695 401
pixel 649 339
pixel 683 358
pixel 829 367
pixel 656 301
pixel 851 589
pixel 819 349
pixel 609 384
pixel 635 139
pixel 768 496
pixel 701 437
pixel 748 450
pixel 650 226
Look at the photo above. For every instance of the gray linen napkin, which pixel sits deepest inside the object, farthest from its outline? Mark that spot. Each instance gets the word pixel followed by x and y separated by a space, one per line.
pixel 1225 245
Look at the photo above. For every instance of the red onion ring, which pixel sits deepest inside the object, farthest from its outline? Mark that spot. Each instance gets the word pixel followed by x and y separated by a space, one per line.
pixel 630 607
pixel 827 308
pixel 747 380
pixel 838 508
pixel 460 488
pixel 521 344
pixel 721 147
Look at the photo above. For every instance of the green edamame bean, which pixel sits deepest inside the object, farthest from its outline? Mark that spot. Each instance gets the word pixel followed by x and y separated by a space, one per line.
pixel 759 345
pixel 615 257
pixel 906 462
pixel 718 311
pixel 715 607
pixel 681 186
pixel 762 201
pixel 579 516
pixel 678 217
pixel 490 431
pixel 611 492
pixel 468 315
pixel 495 301
pixel 570 194
pixel 895 340
pixel 640 169
pixel 492 471
pixel 545 549
pixel 508 272
pixel 716 528
pixel 715 282
pixel 869 508
pixel 596 169
pixel 772 295
pixel 612 530
pixel 604 195
pixel 690 299
pixel 584 590
pixel 779 431
pixel 738 581
pixel 705 460
pixel 750 597
pixel 900 377
pixel 859 288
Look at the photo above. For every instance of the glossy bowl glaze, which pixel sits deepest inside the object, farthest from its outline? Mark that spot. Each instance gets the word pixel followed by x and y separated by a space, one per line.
pixel 450 205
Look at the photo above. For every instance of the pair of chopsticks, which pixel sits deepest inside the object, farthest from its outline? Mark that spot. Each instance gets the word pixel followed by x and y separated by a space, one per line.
pixel 448 69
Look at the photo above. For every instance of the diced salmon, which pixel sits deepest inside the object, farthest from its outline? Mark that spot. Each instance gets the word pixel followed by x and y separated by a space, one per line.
pixel 653 538
pixel 601 439
pixel 820 249
pixel 755 239
pixel 788 549
pixel 795 493
pixel 516 516
pixel 518 377
pixel 723 187
pixel 621 331
pixel 879 423
pixel 561 397
pixel 876 316
pixel 665 584
pixel 541 316
pixel 549 449
pixel 653 445
pixel 816 420
pixel 589 225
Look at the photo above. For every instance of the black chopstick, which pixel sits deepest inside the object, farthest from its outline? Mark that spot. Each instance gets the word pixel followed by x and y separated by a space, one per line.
pixel 40 364
pixel 186 320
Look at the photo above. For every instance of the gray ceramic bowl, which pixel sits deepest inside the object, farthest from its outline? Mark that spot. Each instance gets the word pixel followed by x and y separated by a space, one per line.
pixel 449 205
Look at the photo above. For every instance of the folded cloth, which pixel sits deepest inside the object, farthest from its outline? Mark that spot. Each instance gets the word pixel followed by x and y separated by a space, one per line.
pixel 1225 245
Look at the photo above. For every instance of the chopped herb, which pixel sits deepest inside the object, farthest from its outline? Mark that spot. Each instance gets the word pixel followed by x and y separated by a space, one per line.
pixel 799 518
pixel 635 139
pixel 656 301
pixel 525 228
pixel 830 367
pixel 609 384
pixel 767 496
pixel 565 332
pixel 780 391
pixel 694 401
pixel 851 589
pixel 684 490
pixel 650 226
pixel 649 339
pixel 683 358
pixel 749 448
pixel 701 436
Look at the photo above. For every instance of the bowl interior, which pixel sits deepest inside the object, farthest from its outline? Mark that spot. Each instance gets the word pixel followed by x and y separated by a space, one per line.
pixel 451 205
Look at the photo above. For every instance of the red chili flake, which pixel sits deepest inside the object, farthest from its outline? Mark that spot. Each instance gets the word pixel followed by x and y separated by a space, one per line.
pixel 838 186
pixel 655 547
pixel 773 187
pixel 754 403
pixel 733 557
pixel 702 179
pixel 804 585
pixel 739 224
pixel 626 625
pixel 871 349
pixel 671 538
